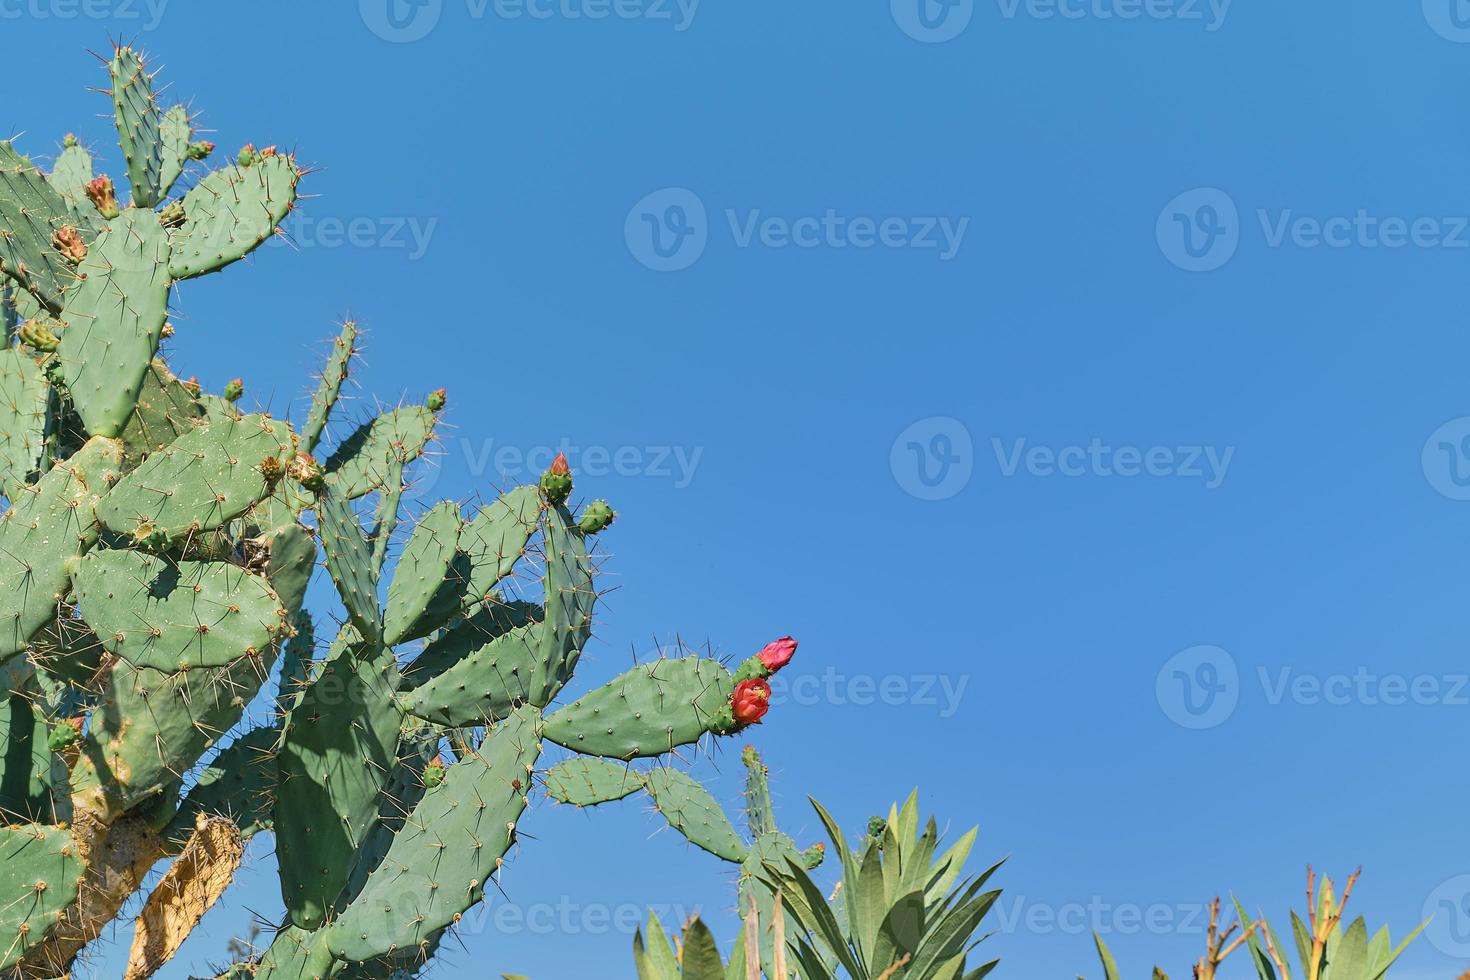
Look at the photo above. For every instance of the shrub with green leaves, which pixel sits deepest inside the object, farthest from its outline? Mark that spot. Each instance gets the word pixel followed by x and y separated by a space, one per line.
pixel 1324 949
pixel 899 912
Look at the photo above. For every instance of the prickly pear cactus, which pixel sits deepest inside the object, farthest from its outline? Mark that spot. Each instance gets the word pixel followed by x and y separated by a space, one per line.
pixel 154 560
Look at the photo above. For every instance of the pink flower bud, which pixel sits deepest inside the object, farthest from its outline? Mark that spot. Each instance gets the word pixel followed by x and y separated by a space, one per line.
pixel 778 653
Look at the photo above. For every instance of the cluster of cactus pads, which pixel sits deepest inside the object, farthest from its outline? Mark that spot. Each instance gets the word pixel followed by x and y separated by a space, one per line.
pixel 154 563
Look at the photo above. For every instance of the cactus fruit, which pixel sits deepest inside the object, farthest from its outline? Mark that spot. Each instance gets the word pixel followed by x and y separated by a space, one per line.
pixel 68 241
pixel 556 482
pixel 37 334
pixel 103 196
pixel 65 733
pixel 154 563
pixel 597 517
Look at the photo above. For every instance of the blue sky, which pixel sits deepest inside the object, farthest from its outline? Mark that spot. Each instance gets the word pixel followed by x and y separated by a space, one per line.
pixel 1083 382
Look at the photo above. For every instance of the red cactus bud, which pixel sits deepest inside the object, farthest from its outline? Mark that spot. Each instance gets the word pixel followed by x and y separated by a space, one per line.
pixel 103 194
pixel 68 241
pixel 437 399
pixel 750 701
pixel 778 654
pixel 70 141
pixel 556 483
pixel 269 151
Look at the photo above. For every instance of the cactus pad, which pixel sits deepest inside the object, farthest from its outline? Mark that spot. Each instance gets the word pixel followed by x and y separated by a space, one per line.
pixel 360 464
pixel 350 562
pixel 496 539
pixel 690 810
pixel 329 389
pixel 648 711
pixel 114 319
pixel 231 213
pixel 449 847
pixel 25 793
pixel 70 176
pixel 430 577
pixel 45 530
pixel 138 126
pixel 176 132
pixel 151 727
pixel 31 211
pixel 172 617
pixel 164 411
pixel 25 397
pixel 40 874
pixel 337 754
pixel 240 784
pixel 487 681
pixel 589 782
pixel 210 476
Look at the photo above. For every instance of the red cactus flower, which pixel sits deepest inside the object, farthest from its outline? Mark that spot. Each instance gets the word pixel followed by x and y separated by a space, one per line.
pixel 559 466
pixel 751 701
pixel 778 654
